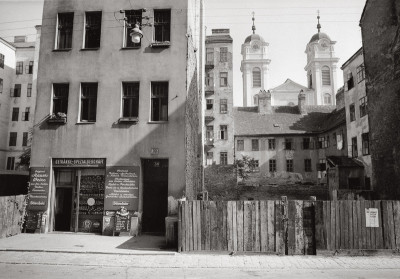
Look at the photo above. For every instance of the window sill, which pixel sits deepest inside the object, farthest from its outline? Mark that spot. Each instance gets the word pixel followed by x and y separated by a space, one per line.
pixel 128 48
pixel 157 122
pixel 90 49
pixel 62 50
pixel 85 123
pixel 128 120
pixel 165 44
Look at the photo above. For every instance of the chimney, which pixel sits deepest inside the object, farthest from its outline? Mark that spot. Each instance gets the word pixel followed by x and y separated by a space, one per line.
pixel 302 102
pixel 19 39
pixel 264 102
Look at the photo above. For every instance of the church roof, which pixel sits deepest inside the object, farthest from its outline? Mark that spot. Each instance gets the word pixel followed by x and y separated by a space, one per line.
pixel 290 85
pixel 319 36
pixel 254 37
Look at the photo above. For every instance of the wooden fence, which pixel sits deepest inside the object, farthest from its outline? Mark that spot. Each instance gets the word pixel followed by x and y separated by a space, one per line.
pixel 287 227
pixel 12 211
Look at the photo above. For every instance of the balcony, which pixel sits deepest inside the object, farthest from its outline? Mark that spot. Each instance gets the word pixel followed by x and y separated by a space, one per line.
pixel 209 92
pixel 208 118
pixel 209 142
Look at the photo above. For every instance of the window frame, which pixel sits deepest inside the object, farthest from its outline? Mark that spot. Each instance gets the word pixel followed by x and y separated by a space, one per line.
pixel 223 79
pixel 223 158
pixel 57 86
pixel 327 95
pixel 10 163
pixel 272 165
pixel 255 145
pixel 2 59
pixel 209 104
pixel 163 101
pixel 91 101
pixel 19 68
pixel 288 144
pixel 68 29
pixel 25 139
pixel 307 143
pixel 365 146
pixel 307 165
pixel 13 139
pixel 29 68
pixel 223 132
pixel 240 145
pixel 209 132
pixel 1 86
pixel 350 81
pixel 29 90
pixel 352 112
pixel 289 165
pixel 132 100
pixel 133 16
pixel 223 54
pixel 363 106
pixel 209 158
pixel 92 29
pixel 256 82
pixel 223 106
pixel 326 76
pixel 271 144
pixel 354 147
pixel 15 114
pixel 164 25
pixel 360 73
pixel 26 114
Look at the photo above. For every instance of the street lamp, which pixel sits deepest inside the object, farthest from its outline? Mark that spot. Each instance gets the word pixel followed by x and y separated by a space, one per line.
pixel 136 34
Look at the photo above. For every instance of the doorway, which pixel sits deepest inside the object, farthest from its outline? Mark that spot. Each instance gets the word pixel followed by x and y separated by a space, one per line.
pixel 155 195
pixel 63 210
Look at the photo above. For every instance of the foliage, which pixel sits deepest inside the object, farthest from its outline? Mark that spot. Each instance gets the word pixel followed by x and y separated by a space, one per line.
pixel 245 166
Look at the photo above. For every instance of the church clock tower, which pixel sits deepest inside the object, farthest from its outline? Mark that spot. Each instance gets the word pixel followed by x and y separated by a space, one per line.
pixel 254 67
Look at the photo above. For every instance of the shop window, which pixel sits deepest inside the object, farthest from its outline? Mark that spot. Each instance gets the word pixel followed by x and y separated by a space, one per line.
pixel 289 165
pixel 350 81
pixel 255 145
pixel 223 132
pixel 29 68
pixel 162 25
pixel 360 73
pixel 223 54
pixel 354 149
pixel 210 104
pixel 60 98
pixel 2 61
pixel 29 90
pixel 271 144
pixel 272 165
pixel 88 102
pixel 210 158
pixel 159 101
pixel 10 163
pixel 327 99
pixel 65 28
pixel 26 113
pixel 1 85
pixel 288 144
pixel 223 158
pixel 223 106
pixel 365 143
pixel 19 68
pixel 256 77
pixel 223 79
pixel 326 75
pixel 13 139
pixel 15 114
pixel 16 91
pixel 363 106
pixel 240 145
pixel 132 17
pixel 307 165
pixel 352 110
pixel 25 139
pixel 130 99
pixel 92 30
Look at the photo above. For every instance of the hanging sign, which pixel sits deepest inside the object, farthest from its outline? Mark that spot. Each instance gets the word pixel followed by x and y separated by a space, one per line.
pixel 372 217
pixel 38 189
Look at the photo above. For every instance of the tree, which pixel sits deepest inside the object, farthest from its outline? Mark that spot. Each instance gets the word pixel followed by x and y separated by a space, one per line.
pixel 245 166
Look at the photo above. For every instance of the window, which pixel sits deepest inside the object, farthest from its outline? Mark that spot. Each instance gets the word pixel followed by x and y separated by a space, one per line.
pixel 256 77
pixel 10 163
pixel 254 145
pixel 223 106
pixel 352 109
pixel 327 99
pixel 223 133
pixel 307 165
pixel 272 165
pixel 29 90
pixel 288 144
pixel 322 165
pixel 209 133
pixel 130 99
pixel 223 54
pixel 65 28
pixel 307 143
pixel 210 56
pixel 209 79
pixel 310 80
pixel 132 17
pixel 159 101
pixel 271 144
pixel 19 68
pixel 25 115
pixel 13 139
pixel 25 139
pixel 350 81
pixel 210 158
pixel 339 140
pixel 240 145
pixel 29 68
pixel 88 102
pixel 256 166
pixel 162 25
pixel 1 85
pixel 60 98
pixel 360 73
pixel 354 150
pixel 323 142
pixel 363 106
pixel 16 92
pixel 2 61
pixel 92 29
pixel 223 158
pixel 289 165
pixel 210 104
pixel 326 75
pixel 15 114
pixel 223 79
pixel 365 143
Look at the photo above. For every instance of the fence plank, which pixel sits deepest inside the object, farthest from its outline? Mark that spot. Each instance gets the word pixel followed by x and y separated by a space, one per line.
pixel 309 227
pixel 3 218
pixel 214 226
pixel 391 225
pixel 257 239
pixel 355 225
pixel 330 238
pixel 234 227
pixel 350 223
pixel 363 227
pixel 240 225
pixel 271 226
pixel 331 215
pixel 247 235
pixel 279 234
pixel 199 225
pixel 194 224
pixel 208 227
pixel 229 229
pixel 337 224
pixel 320 229
pixel 359 225
pixel 379 230
pixel 396 216
pixel 299 230
pixel 291 234
pixel 224 238
pixel 10 214
pixel 180 224
pixel 263 226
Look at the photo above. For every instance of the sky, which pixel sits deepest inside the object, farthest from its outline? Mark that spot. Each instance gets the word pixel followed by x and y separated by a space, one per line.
pixel 287 25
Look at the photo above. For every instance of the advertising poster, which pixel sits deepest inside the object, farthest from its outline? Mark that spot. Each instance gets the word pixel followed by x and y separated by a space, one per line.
pixel 39 189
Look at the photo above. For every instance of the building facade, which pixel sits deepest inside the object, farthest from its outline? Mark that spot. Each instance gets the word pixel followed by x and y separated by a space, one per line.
pixel 117 120
pixel 380 23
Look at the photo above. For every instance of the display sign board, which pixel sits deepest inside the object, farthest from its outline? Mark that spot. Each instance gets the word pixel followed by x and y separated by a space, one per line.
pixel 122 223
pixel 122 188
pixel 79 162
pixel 39 189
pixel 372 217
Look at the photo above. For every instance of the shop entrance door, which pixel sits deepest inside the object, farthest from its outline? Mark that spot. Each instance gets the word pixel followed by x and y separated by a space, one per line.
pixel 155 195
pixel 63 208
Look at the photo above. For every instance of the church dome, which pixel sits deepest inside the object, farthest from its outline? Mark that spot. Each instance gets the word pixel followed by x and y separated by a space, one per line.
pixel 254 37
pixel 319 36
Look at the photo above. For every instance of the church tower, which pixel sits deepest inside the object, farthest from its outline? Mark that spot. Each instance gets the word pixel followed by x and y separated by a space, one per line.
pixel 321 68
pixel 254 67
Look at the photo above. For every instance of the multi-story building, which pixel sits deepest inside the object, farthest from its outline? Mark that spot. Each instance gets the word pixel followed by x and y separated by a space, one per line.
pixel 117 120
pixel 219 98
pixel 356 102
pixel 380 23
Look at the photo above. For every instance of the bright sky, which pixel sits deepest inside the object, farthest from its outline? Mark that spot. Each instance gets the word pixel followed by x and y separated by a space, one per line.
pixel 287 25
